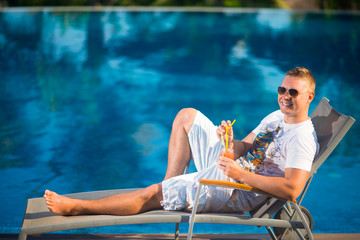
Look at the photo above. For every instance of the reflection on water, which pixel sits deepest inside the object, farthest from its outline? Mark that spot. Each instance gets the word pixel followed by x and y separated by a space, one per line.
pixel 88 98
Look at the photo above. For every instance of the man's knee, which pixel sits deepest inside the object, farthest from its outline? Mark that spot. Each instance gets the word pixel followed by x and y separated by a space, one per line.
pixel 185 118
pixel 154 191
pixel 155 195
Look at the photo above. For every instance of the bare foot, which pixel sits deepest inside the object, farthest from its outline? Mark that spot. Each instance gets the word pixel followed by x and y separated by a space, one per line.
pixel 59 204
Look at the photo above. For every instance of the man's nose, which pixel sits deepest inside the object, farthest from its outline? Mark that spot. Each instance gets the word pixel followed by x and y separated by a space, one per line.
pixel 287 95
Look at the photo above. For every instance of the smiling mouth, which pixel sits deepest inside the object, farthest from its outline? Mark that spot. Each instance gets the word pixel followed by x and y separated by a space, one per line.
pixel 287 105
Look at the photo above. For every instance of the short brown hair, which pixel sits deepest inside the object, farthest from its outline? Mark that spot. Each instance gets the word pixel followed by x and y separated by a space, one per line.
pixel 304 74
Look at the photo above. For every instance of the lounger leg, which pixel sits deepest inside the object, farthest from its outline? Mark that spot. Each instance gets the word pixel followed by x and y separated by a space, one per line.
pixel 22 236
pixel 193 213
pixel 272 234
pixel 306 225
pixel 177 231
pixel 299 234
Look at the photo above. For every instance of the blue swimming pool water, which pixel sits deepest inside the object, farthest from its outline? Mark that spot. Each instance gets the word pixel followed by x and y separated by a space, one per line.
pixel 88 98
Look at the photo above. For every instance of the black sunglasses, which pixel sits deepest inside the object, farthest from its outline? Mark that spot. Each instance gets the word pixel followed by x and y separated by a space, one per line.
pixel 293 92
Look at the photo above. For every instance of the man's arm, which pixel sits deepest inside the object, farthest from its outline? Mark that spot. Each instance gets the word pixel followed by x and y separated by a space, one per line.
pixel 241 147
pixel 288 187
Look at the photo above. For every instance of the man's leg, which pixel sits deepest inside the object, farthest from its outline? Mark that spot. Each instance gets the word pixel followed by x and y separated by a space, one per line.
pixel 144 199
pixel 179 148
pixel 122 204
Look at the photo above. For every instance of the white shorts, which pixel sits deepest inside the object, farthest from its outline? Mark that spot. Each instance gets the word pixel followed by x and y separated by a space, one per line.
pixel 179 192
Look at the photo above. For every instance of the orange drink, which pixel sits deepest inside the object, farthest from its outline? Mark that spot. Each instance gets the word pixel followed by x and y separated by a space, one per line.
pixel 229 153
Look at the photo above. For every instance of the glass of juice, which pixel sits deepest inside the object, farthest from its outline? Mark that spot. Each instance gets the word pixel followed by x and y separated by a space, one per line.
pixel 229 153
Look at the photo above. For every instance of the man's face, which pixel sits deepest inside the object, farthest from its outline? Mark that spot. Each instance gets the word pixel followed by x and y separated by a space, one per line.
pixel 295 108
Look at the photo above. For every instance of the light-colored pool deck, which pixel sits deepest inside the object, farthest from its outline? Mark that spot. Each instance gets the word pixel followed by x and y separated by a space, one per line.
pixel 322 236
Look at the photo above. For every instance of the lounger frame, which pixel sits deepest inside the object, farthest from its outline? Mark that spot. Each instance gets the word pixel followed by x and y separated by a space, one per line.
pixel 38 219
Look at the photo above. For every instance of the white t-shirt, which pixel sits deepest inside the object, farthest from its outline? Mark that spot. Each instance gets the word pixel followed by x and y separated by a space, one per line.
pixel 293 146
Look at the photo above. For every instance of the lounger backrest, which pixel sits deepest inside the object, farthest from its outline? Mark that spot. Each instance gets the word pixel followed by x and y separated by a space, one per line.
pixel 330 127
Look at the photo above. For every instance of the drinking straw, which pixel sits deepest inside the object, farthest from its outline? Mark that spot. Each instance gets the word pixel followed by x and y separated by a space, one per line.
pixel 226 135
pixel 222 140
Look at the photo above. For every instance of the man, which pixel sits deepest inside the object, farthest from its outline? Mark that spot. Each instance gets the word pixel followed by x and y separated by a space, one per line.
pixel 282 165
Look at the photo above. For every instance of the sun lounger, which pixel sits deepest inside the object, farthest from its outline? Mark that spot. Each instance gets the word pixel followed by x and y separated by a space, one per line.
pixel 291 219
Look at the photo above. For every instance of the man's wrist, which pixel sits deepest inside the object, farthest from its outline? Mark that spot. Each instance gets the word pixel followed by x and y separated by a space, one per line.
pixel 242 176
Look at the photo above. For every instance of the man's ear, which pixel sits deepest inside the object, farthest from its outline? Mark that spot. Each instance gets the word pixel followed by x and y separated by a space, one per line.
pixel 311 97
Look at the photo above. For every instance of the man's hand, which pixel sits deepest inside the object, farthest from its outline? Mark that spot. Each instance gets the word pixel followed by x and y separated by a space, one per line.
pixel 221 131
pixel 230 167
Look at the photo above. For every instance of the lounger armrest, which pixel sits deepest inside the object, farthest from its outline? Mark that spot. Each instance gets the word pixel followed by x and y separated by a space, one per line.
pixel 238 186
